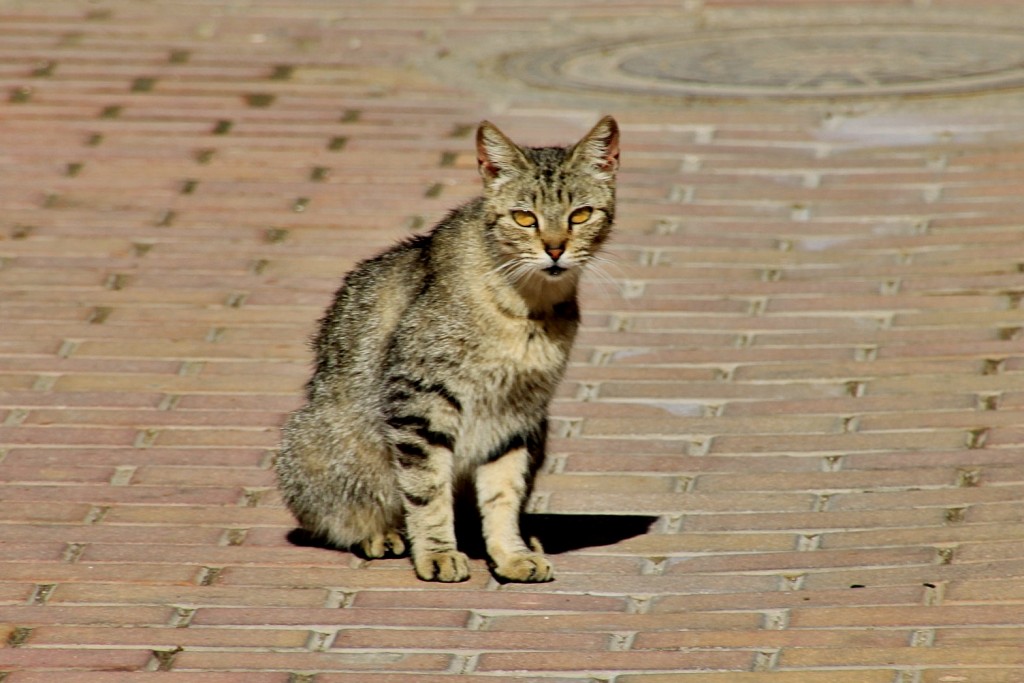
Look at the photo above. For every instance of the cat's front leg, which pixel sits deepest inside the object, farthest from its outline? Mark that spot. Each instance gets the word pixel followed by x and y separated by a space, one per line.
pixel 430 520
pixel 501 488
pixel 425 477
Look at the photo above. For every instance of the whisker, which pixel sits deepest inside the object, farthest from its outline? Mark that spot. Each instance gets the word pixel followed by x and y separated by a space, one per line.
pixel 608 285
pixel 520 272
pixel 508 268
pixel 504 266
pixel 612 263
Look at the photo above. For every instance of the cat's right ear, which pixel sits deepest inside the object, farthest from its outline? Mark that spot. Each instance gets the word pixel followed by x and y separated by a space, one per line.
pixel 598 151
pixel 497 157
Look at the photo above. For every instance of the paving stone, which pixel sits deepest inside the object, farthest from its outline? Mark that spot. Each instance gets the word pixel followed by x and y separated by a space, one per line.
pixel 788 445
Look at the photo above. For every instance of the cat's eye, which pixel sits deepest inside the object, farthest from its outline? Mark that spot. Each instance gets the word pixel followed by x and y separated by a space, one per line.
pixel 524 218
pixel 581 215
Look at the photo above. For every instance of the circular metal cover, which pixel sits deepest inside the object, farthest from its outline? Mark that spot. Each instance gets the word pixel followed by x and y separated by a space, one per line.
pixel 800 62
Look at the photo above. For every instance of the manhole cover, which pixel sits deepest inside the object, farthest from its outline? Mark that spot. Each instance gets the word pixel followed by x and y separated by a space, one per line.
pixel 804 62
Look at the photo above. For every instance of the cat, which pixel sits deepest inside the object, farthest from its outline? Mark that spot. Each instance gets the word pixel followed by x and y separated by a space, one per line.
pixel 437 360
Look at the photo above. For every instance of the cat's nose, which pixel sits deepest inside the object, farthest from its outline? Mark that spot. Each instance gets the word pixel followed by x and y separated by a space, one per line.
pixel 554 252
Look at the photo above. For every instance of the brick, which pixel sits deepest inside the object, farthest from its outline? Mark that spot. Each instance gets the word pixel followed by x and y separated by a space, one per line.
pixel 585 502
pixel 121 495
pixel 151 418
pixel 16 593
pixel 53 511
pixel 907 616
pixel 177 384
pixel 188 350
pixel 952 458
pixel 157 457
pixel 842 519
pixel 99 615
pixel 103 574
pixel 917 536
pixel 983 590
pixel 190 595
pixel 839 443
pixel 82 475
pixel 868 595
pixel 983 636
pixel 258 615
pixel 329 677
pixel 931 656
pixel 614 661
pixel 988 551
pixel 368 677
pixel 662 545
pixel 488 601
pixel 945 497
pixel 139 537
pixel 257 402
pixel 809 560
pixel 636 449
pixel 750 425
pixel 169 637
pixel 16 382
pixel 763 639
pixel 574 563
pixel 202 515
pixel 577 459
pixel 614 622
pixel 845 405
pixel 1001 422
pixel 917 575
pixel 266 437
pixel 824 481
pixel 312 558
pixel 68 435
pixel 205 476
pixel 349 578
pixel 993 674
pixel 861 675
pixel 28 552
pixel 618 483
pixel 157 677
pixel 603 409
pixel 452 641
pixel 191 660
pixel 56 659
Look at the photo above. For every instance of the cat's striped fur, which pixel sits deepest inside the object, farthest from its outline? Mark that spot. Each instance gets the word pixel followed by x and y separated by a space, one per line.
pixel 437 360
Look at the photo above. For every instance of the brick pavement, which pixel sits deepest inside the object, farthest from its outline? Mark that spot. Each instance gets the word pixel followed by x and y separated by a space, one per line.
pixel 789 445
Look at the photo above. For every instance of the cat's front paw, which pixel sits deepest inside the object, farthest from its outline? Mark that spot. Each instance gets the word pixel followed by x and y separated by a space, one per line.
pixel 525 568
pixel 449 566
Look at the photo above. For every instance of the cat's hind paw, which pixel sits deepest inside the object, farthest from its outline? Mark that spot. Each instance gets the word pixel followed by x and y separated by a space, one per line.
pixel 380 545
pixel 449 566
pixel 525 568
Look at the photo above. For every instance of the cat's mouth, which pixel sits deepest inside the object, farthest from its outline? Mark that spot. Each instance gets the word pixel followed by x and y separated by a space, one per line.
pixel 555 270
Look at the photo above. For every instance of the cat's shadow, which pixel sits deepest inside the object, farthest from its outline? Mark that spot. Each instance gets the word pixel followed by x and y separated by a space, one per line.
pixel 556 533
pixel 564 533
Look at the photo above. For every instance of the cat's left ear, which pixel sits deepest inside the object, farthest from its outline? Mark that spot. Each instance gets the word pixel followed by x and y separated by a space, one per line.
pixel 599 149
pixel 497 157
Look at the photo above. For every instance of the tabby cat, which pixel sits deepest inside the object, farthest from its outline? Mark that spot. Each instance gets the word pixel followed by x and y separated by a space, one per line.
pixel 437 360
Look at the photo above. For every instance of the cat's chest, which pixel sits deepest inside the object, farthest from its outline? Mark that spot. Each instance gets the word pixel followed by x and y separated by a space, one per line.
pixel 535 345
pixel 515 377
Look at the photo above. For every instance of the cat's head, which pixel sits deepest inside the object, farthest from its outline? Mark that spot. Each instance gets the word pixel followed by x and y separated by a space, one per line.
pixel 549 208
